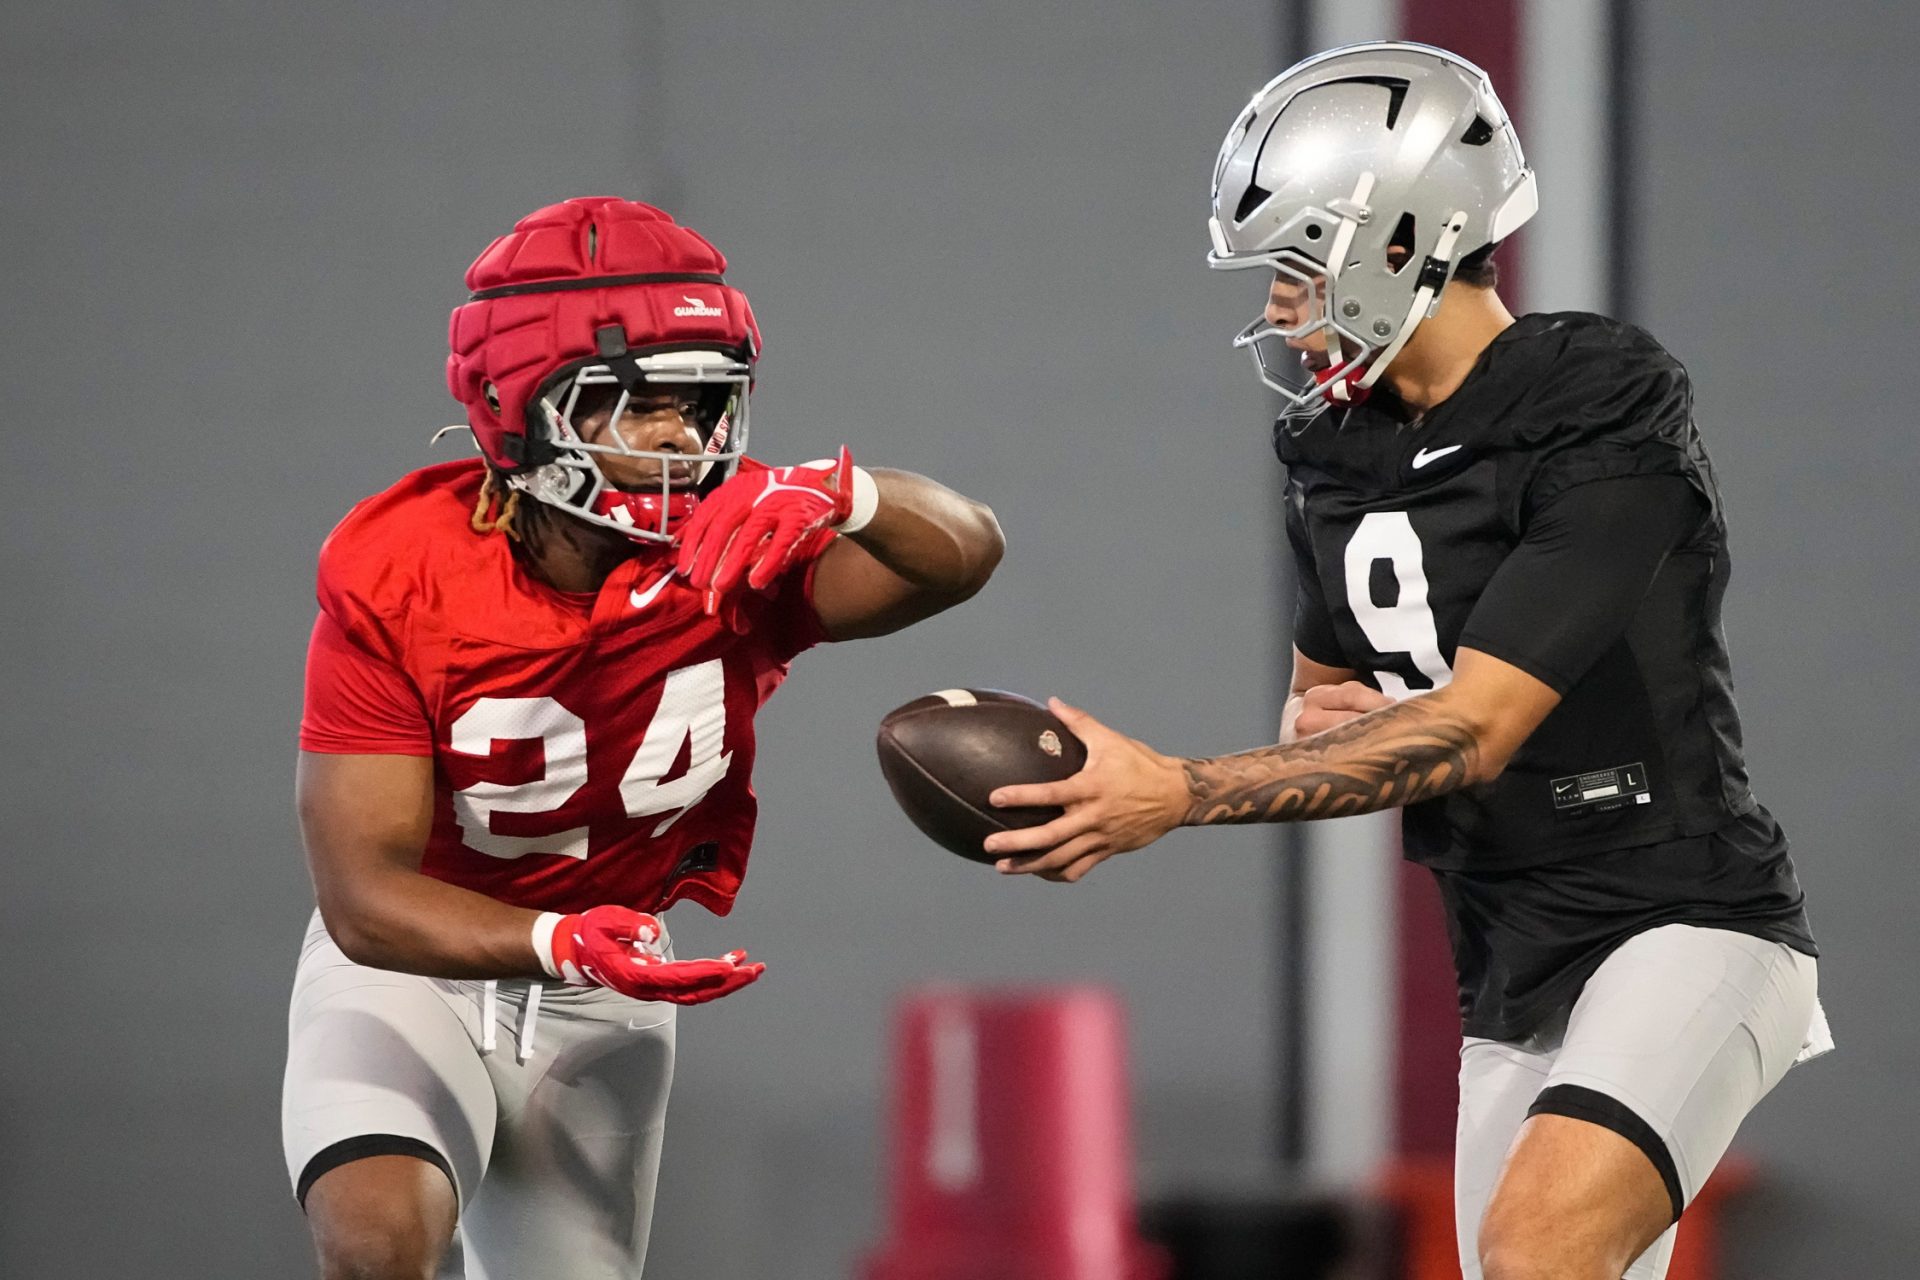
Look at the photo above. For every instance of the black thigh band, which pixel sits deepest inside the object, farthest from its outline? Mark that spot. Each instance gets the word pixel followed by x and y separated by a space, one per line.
pixel 1610 1113
pixel 347 1150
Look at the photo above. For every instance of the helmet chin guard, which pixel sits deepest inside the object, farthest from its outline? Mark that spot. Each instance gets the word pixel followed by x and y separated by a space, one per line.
pixel 1335 163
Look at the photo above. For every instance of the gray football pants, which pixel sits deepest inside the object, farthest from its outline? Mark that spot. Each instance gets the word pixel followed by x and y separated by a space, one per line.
pixel 1675 1038
pixel 544 1104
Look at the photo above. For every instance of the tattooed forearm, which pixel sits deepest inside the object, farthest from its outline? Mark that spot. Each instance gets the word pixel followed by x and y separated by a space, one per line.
pixel 1394 756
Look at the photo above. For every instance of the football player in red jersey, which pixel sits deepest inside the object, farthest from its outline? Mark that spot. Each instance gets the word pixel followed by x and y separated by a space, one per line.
pixel 529 729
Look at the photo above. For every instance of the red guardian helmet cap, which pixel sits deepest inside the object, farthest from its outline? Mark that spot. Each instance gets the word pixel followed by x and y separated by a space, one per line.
pixel 593 293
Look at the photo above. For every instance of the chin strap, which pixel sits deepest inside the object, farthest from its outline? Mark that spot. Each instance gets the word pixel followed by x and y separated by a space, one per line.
pixel 1353 211
pixel 1340 387
pixel 1433 277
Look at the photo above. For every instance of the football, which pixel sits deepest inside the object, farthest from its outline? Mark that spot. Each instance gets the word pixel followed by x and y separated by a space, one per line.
pixel 944 754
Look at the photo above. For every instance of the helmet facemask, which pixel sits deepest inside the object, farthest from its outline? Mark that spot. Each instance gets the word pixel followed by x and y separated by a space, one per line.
pixel 719 387
pixel 1283 368
pixel 1354 362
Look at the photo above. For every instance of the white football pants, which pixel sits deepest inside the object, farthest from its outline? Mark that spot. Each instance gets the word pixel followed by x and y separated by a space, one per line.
pixel 1675 1038
pixel 543 1103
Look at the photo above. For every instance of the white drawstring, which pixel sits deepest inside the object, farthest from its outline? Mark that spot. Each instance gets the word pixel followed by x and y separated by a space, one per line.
pixel 490 1013
pixel 528 1019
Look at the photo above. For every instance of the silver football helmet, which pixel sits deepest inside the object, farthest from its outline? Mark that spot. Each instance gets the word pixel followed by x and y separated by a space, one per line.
pixel 1338 158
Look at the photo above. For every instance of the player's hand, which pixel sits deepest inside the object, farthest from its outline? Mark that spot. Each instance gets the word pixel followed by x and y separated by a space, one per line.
pixel 622 949
pixel 1326 705
pixel 764 521
pixel 1127 795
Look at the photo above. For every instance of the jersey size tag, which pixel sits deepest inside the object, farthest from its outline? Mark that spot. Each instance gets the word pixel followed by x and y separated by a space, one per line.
pixel 1602 789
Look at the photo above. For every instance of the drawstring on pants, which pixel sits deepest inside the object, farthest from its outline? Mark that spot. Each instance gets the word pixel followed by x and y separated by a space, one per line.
pixel 529 1019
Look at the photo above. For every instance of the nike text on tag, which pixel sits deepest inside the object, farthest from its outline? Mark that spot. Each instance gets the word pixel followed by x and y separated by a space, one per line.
pixel 1423 457
pixel 1603 789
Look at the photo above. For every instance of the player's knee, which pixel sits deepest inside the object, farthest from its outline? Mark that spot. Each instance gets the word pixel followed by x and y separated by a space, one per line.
pixel 1513 1261
pixel 388 1241
pixel 379 1254
pixel 1509 1252
pixel 384 1217
pixel 1510 1249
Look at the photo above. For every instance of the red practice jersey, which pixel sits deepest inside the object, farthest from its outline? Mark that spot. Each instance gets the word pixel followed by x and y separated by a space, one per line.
pixel 588 748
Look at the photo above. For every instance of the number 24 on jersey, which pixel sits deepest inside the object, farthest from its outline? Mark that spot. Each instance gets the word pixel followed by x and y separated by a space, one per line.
pixel 692 711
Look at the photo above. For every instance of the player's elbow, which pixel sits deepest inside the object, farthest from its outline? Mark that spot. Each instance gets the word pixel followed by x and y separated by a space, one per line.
pixel 976 549
pixel 355 931
pixel 1497 738
pixel 984 545
pixel 1480 740
pixel 360 917
pixel 1490 759
pixel 974 546
pixel 1498 706
pixel 358 946
pixel 355 942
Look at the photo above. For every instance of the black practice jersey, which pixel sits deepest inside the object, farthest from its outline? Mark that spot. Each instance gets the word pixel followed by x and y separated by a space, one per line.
pixel 1558 512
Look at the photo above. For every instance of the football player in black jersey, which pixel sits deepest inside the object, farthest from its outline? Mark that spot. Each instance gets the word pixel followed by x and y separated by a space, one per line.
pixel 1511 554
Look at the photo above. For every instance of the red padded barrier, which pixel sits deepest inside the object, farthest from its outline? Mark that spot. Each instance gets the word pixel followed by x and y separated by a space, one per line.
pixel 1011 1156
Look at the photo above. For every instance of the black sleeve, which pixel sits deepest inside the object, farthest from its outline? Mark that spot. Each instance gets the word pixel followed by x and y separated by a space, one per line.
pixel 1584 563
pixel 1312 626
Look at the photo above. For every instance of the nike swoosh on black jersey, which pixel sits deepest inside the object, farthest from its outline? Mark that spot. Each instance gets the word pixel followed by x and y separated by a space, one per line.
pixel 1422 457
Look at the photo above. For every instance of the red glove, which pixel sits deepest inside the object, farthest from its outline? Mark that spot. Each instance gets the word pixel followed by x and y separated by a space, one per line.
pixel 620 948
pixel 765 520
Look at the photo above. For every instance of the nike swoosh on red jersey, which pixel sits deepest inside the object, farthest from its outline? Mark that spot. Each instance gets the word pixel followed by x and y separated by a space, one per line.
pixel 641 599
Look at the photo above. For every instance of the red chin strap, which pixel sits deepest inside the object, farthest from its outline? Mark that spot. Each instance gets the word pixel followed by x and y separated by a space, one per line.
pixel 1340 386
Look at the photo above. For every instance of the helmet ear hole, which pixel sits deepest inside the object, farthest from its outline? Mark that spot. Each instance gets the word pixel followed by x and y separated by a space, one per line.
pixel 1403 239
pixel 1314 231
pixel 492 394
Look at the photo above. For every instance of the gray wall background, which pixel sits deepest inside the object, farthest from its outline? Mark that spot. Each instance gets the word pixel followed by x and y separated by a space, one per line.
pixel 973 234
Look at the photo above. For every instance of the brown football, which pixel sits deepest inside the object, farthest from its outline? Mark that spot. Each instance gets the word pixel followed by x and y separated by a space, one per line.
pixel 944 754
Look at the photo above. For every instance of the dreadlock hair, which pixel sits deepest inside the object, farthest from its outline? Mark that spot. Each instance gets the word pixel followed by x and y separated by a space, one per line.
pixel 493 511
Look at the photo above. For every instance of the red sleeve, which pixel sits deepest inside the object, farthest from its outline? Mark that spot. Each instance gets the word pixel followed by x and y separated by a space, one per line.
pixel 357 704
